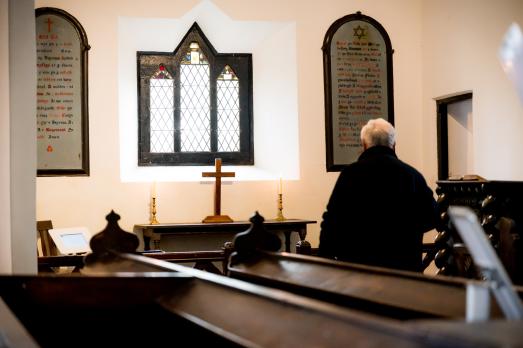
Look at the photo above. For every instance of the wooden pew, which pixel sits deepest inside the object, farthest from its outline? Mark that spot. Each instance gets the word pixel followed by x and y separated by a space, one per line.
pixel 392 293
pixel 46 264
pixel 114 238
pixel 186 307
pixel 12 332
pixel 132 300
pixel 300 320
pixel 396 294
pixel 203 260
pixel 46 242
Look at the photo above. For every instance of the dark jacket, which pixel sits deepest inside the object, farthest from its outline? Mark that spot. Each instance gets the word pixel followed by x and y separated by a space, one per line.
pixel 378 212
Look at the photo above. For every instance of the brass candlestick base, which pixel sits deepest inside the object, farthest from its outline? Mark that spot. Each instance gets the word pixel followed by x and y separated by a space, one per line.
pixel 280 216
pixel 153 220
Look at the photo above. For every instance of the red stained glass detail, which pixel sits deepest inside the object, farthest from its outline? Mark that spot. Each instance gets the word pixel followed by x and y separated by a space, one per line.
pixel 162 68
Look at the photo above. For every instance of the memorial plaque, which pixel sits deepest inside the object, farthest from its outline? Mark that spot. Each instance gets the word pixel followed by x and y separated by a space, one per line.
pixel 61 106
pixel 357 61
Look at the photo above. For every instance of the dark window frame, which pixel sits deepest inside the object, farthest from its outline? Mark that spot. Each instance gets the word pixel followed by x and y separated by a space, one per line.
pixel 241 63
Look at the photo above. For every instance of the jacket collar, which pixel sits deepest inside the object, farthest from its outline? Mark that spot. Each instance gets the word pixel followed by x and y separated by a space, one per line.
pixel 376 151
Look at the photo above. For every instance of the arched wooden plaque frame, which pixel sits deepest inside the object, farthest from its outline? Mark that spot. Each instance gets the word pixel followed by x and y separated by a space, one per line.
pixel 62 94
pixel 358 82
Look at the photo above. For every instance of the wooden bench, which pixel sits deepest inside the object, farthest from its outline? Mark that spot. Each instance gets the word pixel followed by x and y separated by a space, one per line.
pixel 113 237
pixel 393 293
pixel 12 332
pixel 124 299
pixel 203 260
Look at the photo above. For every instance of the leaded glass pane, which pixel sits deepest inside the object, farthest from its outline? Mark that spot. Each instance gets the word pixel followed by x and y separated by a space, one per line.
pixel 184 125
pixel 195 55
pixel 161 104
pixel 195 105
pixel 228 103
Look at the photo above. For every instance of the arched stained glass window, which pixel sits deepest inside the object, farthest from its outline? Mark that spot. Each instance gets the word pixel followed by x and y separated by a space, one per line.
pixel 228 99
pixel 195 105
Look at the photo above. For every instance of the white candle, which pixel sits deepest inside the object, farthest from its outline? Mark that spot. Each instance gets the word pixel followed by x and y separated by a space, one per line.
pixel 280 187
pixel 153 189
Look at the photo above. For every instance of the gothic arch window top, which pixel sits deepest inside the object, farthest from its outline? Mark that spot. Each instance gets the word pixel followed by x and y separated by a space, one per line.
pixel 195 104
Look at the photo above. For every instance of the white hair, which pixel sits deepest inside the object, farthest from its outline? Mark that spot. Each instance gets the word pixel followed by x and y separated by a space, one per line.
pixel 378 132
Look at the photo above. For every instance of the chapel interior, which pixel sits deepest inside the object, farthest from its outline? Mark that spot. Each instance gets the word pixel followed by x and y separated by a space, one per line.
pixel 450 92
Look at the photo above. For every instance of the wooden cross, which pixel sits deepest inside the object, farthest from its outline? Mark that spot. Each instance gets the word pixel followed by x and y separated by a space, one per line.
pixel 218 174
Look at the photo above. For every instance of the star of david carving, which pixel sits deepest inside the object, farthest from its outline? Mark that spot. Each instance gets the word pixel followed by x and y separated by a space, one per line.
pixel 359 32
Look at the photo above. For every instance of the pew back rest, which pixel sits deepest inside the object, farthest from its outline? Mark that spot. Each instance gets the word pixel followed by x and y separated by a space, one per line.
pixel 46 242
pixel 397 294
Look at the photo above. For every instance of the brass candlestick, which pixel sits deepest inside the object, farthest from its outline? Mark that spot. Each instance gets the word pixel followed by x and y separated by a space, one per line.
pixel 280 216
pixel 153 212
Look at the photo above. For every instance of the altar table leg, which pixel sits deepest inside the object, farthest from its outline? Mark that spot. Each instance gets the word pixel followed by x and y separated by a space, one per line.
pixel 303 233
pixel 147 233
pixel 287 241
pixel 156 241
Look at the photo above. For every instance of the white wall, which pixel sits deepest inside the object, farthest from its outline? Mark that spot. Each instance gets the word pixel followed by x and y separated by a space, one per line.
pixel 275 109
pixel 441 47
pixel 461 42
pixel 86 200
pixel 18 137
pixel 460 138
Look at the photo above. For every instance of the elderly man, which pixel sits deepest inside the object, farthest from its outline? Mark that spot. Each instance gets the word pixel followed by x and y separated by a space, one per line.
pixel 379 208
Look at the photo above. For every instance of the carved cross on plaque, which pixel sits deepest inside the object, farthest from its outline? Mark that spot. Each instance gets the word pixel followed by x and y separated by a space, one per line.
pixel 49 23
pixel 218 174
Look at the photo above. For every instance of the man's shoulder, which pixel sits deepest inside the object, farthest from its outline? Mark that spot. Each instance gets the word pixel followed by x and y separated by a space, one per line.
pixel 413 172
pixel 351 168
pixel 413 169
pixel 408 166
pixel 362 166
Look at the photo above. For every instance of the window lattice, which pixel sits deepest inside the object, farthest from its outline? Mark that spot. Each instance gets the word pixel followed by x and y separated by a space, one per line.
pixel 195 119
pixel 162 111
pixel 195 102
pixel 193 106
pixel 228 103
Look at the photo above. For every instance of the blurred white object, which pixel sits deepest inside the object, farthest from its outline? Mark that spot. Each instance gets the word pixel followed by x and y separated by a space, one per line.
pixel 71 240
pixel 511 56
pixel 488 263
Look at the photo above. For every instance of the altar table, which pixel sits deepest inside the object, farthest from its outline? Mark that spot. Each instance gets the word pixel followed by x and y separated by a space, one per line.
pixel 155 231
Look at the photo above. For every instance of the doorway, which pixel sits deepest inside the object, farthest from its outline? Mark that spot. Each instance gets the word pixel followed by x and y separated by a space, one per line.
pixel 455 136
